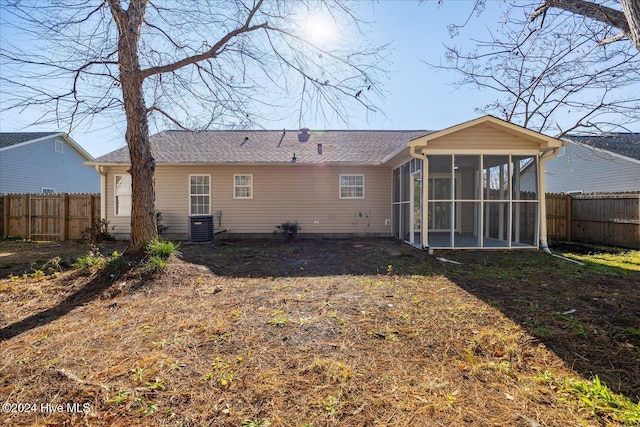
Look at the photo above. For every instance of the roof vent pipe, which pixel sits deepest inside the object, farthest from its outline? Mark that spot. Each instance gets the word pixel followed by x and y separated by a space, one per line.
pixel 304 134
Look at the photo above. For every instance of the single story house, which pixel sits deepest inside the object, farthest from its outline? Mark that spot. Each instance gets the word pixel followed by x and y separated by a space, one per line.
pixel 455 188
pixel 596 164
pixel 44 162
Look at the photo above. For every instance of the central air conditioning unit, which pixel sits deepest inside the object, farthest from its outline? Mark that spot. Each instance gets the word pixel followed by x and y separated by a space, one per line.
pixel 201 228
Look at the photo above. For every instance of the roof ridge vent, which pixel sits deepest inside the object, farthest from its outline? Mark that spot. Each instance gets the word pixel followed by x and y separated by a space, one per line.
pixel 304 134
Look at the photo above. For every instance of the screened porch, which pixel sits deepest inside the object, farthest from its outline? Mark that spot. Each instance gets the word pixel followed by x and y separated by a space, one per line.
pixel 467 201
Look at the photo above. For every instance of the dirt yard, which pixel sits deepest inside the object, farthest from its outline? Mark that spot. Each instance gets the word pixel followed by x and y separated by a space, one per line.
pixel 314 333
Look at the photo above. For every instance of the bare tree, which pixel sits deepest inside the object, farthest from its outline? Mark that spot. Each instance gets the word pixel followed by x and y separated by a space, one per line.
pixel 555 70
pixel 189 64
pixel 627 20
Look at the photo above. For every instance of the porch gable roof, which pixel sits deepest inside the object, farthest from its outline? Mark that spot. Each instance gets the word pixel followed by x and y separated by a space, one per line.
pixel 469 135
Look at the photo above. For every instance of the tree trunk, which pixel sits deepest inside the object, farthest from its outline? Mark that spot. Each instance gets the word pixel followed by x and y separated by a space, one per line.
pixel 631 10
pixel 143 218
pixel 628 21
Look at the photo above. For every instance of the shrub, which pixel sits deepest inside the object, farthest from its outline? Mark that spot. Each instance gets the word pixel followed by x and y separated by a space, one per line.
pixel 289 230
pixel 161 228
pixel 99 232
pixel 155 263
pixel 158 253
pixel 162 248
pixel 92 260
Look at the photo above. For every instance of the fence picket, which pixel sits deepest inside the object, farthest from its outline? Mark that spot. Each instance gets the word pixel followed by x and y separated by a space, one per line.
pixel 48 216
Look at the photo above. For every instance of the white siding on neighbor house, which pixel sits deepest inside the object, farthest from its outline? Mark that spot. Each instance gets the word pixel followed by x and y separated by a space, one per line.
pixel 581 168
pixel 302 193
pixel 30 167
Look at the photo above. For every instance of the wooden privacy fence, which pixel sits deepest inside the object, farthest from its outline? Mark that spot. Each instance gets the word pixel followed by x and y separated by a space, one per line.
pixel 605 219
pixel 48 216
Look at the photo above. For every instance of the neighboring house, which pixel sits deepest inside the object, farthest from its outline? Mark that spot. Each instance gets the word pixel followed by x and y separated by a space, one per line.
pixel 596 164
pixel 44 162
pixel 455 188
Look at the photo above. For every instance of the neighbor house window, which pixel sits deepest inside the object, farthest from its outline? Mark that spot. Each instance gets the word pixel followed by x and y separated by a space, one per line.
pixel 352 186
pixel 48 190
pixel 199 194
pixel 122 195
pixel 58 144
pixel 243 186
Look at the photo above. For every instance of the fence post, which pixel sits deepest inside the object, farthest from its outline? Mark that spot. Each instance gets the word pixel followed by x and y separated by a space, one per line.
pixel 90 210
pixel 26 205
pixel 638 228
pixel 568 216
pixel 64 213
pixel 5 215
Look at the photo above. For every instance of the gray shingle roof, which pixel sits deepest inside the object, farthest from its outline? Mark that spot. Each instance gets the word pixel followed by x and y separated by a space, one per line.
pixel 271 146
pixel 625 144
pixel 7 139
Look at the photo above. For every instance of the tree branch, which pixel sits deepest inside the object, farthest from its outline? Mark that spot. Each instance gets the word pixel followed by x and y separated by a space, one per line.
pixel 214 51
pixel 167 115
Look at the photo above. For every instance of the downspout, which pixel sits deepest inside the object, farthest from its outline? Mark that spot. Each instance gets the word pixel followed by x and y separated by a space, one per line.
pixel 548 155
pixel 544 157
pixel 103 192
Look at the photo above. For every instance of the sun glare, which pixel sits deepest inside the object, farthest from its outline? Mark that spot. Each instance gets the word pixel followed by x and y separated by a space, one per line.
pixel 320 29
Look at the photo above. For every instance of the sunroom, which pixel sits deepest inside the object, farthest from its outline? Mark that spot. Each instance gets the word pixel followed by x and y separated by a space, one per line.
pixel 466 187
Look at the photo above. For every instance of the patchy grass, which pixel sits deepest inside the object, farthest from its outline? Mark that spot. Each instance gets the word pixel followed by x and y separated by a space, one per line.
pixel 319 333
pixel 624 260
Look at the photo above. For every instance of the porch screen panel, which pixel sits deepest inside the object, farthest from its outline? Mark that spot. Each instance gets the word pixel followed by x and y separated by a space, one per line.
pixel 396 185
pixel 525 178
pixel 496 175
pixel 468 207
pixel 496 230
pixel 525 200
pixel 395 205
pixel 441 187
pixel 405 198
pixel 468 235
pixel 401 202
pixel 496 191
pixel 395 220
pixel 525 224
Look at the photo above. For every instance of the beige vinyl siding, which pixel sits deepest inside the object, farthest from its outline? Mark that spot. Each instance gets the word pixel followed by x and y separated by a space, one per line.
pixel 303 193
pixel 482 137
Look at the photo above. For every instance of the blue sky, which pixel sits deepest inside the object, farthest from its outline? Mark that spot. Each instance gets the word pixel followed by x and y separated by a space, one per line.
pixel 416 96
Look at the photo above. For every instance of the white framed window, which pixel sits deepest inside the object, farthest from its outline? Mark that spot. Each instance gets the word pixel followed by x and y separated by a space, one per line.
pixel 122 194
pixel 243 186
pixel 58 145
pixel 47 190
pixel 352 186
pixel 199 194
